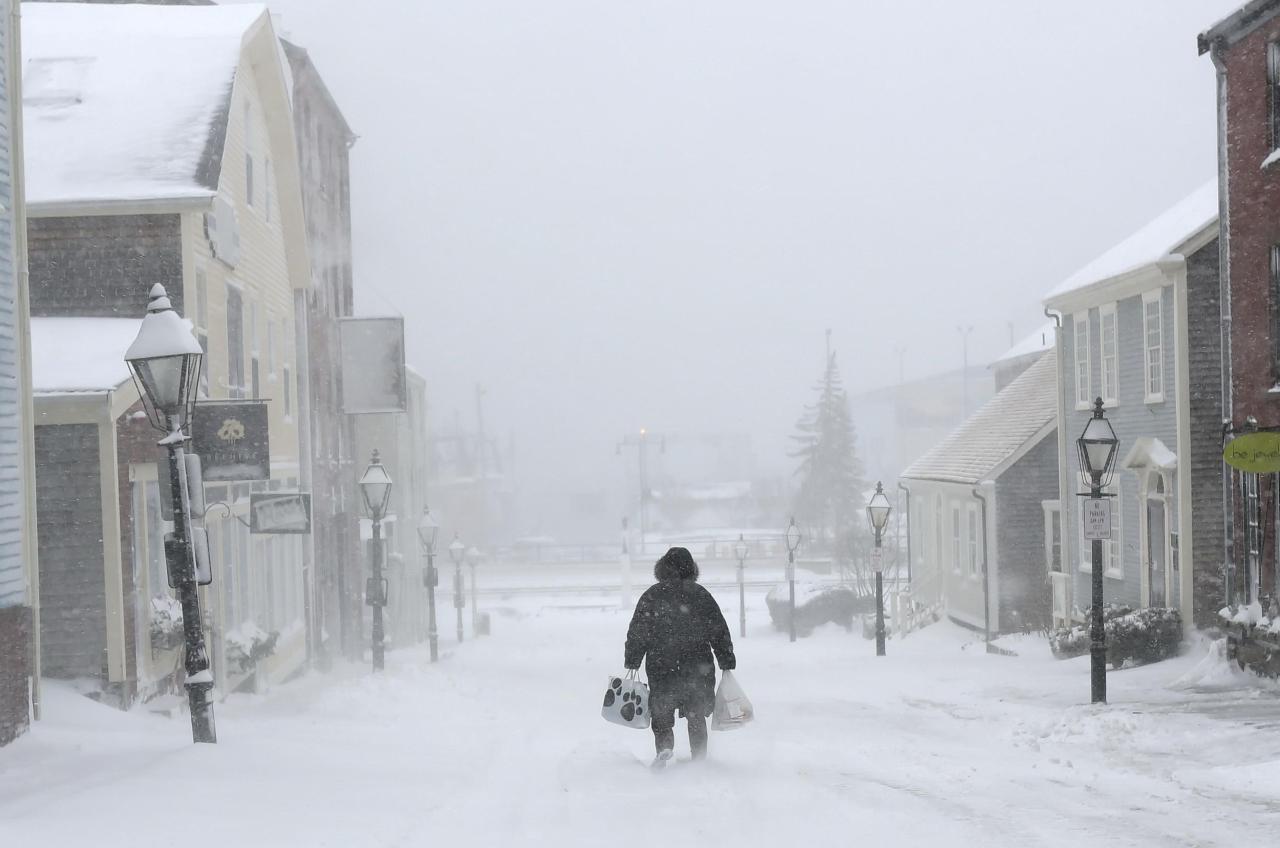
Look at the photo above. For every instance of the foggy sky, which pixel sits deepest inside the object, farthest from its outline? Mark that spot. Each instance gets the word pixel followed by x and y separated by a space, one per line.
pixel 626 214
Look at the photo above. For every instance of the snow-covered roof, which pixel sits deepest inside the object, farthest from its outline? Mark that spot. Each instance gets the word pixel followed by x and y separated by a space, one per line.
pixel 971 453
pixel 1162 237
pixel 71 355
pixel 1037 342
pixel 127 102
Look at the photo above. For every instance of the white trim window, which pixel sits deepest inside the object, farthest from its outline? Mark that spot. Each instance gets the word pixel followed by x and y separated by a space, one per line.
pixel 1153 345
pixel 1080 322
pixel 1110 352
pixel 975 542
pixel 957 547
pixel 1052 535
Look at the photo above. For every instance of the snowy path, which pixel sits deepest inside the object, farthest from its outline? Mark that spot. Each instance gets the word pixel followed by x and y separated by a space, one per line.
pixel 501 744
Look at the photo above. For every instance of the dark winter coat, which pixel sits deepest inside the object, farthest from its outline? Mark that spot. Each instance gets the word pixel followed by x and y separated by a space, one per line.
pixel 676 627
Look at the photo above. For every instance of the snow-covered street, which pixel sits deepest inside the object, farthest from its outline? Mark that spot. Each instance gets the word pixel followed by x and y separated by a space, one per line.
pixel 501 743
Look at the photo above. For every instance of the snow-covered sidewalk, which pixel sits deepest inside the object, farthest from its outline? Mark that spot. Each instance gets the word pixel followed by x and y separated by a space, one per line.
pixel 501 744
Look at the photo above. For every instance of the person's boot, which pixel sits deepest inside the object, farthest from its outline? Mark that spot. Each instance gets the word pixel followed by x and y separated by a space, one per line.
pixel 665 742
pixel 698 737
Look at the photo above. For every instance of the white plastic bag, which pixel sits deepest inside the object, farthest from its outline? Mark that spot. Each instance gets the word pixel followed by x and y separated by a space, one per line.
pixel 626 702
pixel 733 708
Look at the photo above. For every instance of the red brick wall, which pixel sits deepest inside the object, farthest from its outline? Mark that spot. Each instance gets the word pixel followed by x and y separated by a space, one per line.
pixel 1254 216
pixel 15 668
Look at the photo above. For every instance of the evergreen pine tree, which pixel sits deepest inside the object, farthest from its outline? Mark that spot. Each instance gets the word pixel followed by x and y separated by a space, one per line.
pixel 830 494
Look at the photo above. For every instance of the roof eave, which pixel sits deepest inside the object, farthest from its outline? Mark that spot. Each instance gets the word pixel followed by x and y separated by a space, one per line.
pixel 1237 25
pixel 157 205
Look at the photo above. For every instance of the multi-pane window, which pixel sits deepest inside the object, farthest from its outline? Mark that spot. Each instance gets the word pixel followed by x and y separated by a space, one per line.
pixel 202 328
pixel 1110 352
pixel 1052 535
pixel 235 342
pixel 1274 310
pixel 1253 533
pixel 1153 341
pixel 956 552
pixel 1083 388
pixel 975 542
pixel 253 351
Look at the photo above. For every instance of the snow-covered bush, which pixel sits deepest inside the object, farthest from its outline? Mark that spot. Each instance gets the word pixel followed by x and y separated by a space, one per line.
pixel 1253 636
pixel 166 623
pixel 1134 637
pixel 249 644
pixel 816 605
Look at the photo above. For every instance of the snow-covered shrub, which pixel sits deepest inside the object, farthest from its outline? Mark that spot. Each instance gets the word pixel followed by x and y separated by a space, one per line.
pixel 1253 636
pixel 1134 637
pixel 166 623
pixel 249 644
pixel 816 605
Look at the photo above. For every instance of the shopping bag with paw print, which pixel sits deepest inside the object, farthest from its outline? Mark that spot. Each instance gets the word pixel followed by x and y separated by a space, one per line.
pixel 626 702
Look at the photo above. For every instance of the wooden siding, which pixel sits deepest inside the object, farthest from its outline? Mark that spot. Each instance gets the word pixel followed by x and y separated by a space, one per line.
pixel 1022 577
pixel 1132 418
pixel 73 622
pixel 12 571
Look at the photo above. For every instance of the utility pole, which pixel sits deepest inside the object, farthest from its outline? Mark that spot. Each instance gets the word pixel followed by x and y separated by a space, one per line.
pixel 641 444
pixel 964 374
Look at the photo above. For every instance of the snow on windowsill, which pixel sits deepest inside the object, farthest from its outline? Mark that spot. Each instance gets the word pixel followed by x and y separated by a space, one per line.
pixel 1271 159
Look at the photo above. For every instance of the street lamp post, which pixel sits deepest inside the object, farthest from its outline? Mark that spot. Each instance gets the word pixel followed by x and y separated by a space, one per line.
pixel 1097 447
pixel 458 552
pixel 473 559
pixel 878 512
pixel 164 360
pixel 793 542
pixel 428 530
pixel 375 491
pixel 740 550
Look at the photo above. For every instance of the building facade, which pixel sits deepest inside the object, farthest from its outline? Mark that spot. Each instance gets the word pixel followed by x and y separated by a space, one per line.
pixel 19 574
pixel 324 141
pixel 1126 337
pixel 1245 49
pixel 218 221
pixel 980 509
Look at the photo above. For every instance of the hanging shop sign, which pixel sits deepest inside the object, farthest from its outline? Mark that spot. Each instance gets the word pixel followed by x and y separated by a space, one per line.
pixel 1258 453
pixel 232 439
pixel 279 512
pixel 373 374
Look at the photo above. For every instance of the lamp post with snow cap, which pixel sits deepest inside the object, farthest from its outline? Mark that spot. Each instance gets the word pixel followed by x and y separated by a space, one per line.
pixel 740 550
pixel 375 492
pixel 1097 450
pixel 428 530
pixel 458 552
pixel 164 360
pixel 878 512
pixel 793 542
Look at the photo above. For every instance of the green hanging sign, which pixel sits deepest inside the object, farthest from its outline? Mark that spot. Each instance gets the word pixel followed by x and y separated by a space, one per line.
pixel 1258 453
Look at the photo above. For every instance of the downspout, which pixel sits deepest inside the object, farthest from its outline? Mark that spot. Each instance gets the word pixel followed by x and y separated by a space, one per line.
pixel 908 510
pixel 1064 497
pixel 986 579
pixel 1224 309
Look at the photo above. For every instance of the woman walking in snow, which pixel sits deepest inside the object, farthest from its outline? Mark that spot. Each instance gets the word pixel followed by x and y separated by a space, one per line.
pixel 676 627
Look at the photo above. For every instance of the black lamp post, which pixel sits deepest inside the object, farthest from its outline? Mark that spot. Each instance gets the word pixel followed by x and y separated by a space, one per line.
pixel 164 360
pixel 1097 447
pixel 473 559
pixel 793 542
pixel 428 530
pixel 375 492
pixel 878 512
pixel 740 550
pixel 458 552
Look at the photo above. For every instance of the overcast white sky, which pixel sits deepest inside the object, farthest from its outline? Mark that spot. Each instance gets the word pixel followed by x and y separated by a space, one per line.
pixel 616 214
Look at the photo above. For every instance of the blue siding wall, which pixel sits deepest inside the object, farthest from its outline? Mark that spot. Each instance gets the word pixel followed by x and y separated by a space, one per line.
pixel 12 579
